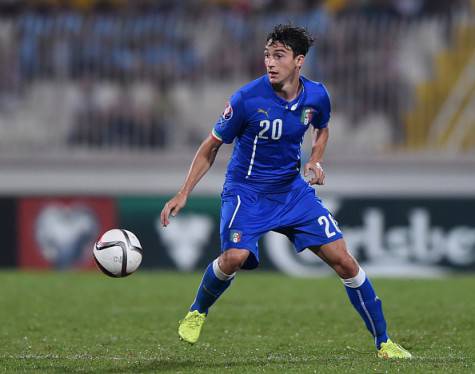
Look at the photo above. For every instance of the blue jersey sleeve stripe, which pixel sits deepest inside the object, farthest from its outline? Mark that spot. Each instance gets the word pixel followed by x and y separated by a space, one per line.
pixel 216 135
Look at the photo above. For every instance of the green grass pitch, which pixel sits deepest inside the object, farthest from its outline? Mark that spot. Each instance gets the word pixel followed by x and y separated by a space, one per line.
pixel 266 322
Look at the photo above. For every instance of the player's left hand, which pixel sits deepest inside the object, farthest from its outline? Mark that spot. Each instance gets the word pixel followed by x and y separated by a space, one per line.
pixel 318 174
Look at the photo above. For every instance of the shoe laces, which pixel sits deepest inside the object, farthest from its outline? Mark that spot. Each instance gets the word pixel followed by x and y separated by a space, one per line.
pixel 194 319
pixel 394 347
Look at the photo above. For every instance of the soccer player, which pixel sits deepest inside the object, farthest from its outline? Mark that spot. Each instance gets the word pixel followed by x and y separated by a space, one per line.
pixel 264 191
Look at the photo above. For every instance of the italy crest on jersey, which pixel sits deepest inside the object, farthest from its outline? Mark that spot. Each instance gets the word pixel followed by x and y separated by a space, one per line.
pixel 235 236
pixel 307 115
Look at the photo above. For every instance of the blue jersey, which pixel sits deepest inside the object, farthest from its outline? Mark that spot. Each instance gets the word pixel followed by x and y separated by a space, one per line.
pixel 268 132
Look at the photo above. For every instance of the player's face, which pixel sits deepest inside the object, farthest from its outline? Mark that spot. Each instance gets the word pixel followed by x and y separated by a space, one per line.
pixel 281 64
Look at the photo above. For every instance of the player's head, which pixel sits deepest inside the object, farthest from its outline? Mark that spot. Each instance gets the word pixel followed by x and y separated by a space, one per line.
pixel 285 50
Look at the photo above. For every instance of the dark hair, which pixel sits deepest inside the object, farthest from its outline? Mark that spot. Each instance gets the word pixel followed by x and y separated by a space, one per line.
pixel 296 38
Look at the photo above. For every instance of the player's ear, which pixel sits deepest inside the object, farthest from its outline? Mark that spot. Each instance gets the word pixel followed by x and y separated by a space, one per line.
pixel 300 59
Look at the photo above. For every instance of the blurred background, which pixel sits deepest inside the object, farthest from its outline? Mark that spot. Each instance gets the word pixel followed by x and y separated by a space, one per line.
pixel 103 104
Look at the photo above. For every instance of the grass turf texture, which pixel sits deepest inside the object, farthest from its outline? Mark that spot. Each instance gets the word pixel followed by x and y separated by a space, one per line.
pixel 266 322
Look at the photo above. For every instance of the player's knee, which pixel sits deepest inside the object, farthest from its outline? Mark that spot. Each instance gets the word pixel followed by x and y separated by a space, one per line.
pixel 232 260
pixel 346 266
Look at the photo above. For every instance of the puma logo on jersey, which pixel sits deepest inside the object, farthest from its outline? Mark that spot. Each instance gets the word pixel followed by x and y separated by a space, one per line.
pixel 266 112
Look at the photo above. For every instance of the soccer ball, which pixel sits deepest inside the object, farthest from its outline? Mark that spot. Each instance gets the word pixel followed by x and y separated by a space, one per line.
pixel 118 253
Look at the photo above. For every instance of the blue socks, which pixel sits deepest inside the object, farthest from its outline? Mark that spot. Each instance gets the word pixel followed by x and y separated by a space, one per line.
pixel 213 284
pixel 359 290
pixel 367 304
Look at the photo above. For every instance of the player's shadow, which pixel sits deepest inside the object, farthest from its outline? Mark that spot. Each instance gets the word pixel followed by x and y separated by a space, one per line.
pixel 154 366
pixel 169 365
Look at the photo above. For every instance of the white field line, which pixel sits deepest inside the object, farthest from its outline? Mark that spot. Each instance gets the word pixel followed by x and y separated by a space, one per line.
pixel 77 357
pixel 271 358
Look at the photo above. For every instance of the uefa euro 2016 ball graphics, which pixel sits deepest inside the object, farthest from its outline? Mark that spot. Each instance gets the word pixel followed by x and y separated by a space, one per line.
pixel 118 253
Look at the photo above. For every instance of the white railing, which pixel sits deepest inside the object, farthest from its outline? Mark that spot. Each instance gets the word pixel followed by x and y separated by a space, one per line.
pixel 455 103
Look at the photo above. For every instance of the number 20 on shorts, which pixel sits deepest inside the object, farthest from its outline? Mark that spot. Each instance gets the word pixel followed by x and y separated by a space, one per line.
pixel 325 221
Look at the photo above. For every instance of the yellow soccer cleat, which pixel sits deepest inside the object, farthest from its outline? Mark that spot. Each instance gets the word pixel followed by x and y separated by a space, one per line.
pixel 190 327
pixel 392 350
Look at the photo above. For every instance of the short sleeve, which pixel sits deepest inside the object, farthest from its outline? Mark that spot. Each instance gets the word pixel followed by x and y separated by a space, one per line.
pixel 324 110
pixel 231 122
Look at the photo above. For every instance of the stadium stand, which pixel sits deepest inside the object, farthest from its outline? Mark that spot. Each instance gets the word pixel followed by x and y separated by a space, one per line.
pixel 123 70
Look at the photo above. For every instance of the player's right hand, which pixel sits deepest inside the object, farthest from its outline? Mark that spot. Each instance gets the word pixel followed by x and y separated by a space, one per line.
pixel 172 207
pixel 318 174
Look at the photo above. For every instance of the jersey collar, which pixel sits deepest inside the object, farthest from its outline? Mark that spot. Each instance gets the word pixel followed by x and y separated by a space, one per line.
pixel 291 105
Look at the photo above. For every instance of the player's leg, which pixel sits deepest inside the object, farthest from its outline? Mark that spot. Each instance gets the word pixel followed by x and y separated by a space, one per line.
pixel 218 277
pixel 361 294
pixel 358 287
pixel 308 224
pixel 238 241
pixel 239 236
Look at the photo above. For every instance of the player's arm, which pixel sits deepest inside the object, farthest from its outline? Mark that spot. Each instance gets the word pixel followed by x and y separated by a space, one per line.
pixel 319 143
pixel 201 163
